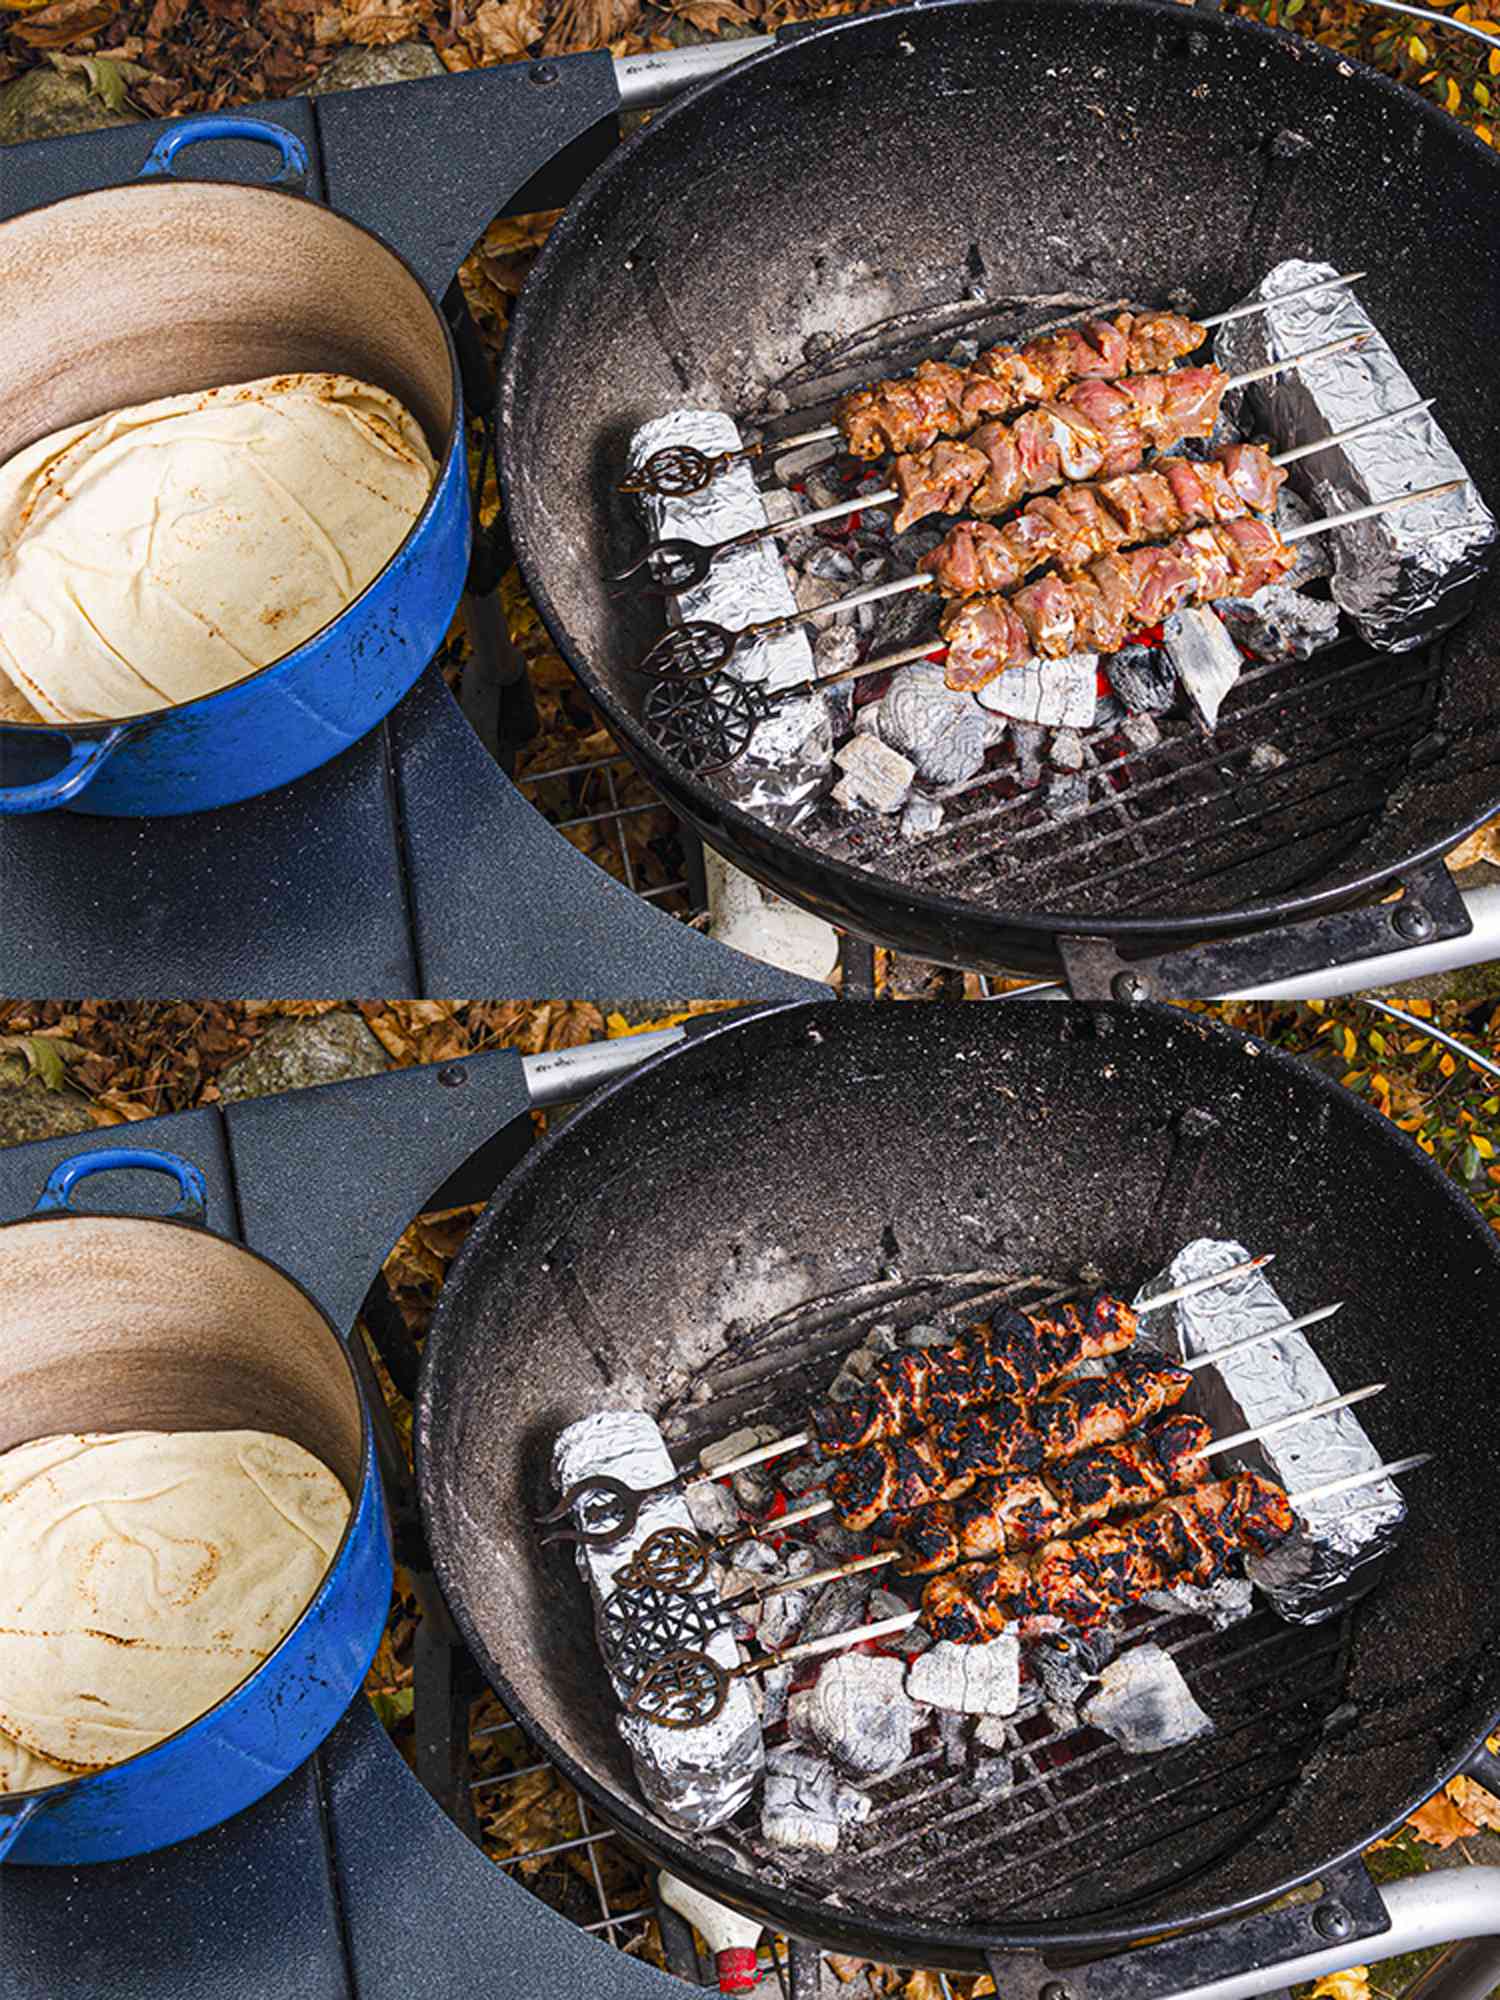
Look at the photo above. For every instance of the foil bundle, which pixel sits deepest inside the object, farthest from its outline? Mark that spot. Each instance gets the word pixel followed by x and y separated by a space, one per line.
pixel 1342 1544
pixel 788 763
pixel 1402 576
pixel 696 1778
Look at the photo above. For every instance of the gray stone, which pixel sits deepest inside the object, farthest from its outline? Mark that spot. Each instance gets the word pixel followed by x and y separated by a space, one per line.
pixel 1205 659
pixel 291 1055
pixel 1145 1704
pixel 355 68
pixel 876 778
pixel 47 103
pixel 1142 677
pixel 806 1804
pixel 1066 750
pixel 29 1110
pixel 858 1713
pixel 974 1680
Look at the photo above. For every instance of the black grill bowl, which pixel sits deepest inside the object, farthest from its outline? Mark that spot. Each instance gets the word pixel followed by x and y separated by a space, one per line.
pixel 806 1150
pixel 1096 148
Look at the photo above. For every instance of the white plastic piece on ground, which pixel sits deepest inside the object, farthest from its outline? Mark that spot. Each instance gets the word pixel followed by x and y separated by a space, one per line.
pixel 696 1778
pixel 751 919
pixel 730 1935
pixel 789 761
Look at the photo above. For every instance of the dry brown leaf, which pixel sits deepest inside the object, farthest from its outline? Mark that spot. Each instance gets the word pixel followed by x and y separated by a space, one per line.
pixel 1475 1803
pixel 65 21
pixel 373 23
pixel 1440 1822
pixel 585 24
pixel 923 1985
pixel 505 29
pixel 1351 1984
pixel 1479 847
pixel 709 16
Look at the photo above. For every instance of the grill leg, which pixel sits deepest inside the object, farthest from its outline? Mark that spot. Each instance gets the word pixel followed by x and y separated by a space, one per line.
pixel 857 962
pixel 805 1970
pixel 1468 1971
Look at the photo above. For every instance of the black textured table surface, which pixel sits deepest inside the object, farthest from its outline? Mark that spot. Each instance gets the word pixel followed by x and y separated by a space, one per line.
pixel 410 865
pixel 347 1882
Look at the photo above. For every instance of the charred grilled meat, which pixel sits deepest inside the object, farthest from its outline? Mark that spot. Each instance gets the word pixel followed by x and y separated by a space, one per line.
pixel 939 400
pixel 876 1487
pixel 1095 430
pixel 1013 1354
pixel 1071 527
pixel 1097 608
pixel 1189 1538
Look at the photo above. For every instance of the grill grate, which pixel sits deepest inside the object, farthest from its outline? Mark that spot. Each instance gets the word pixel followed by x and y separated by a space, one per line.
pixel 1087 1829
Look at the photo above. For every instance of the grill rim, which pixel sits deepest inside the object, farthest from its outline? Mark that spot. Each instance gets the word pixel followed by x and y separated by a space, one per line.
pixel 871 905
pixel 900 1940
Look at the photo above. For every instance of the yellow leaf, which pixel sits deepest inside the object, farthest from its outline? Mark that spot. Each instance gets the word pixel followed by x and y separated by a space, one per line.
pixel 1440 1822
pixel 1494 62
pixel 1447 1065
pixel 1483 1146
pixel 1351 1043
pixel 1484 132
pixel 1452 95
pixel 1351 1985
pixel 1481 93
pixel 1418 49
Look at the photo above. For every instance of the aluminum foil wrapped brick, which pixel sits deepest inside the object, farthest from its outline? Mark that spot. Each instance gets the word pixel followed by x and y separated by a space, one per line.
pixel 788 762
pixel 1404 575
pixel 696 1778
pixel 1342 1544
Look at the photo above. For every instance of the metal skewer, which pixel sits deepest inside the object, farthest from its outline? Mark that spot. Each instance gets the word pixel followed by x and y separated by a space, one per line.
pixel 680 469
pixel 686 1689
pixel 620 1505
pixel 676 564
pixel 705 722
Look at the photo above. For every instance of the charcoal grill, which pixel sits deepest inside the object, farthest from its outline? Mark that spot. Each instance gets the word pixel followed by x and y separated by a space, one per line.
pixel 805 205
pixel 808 1154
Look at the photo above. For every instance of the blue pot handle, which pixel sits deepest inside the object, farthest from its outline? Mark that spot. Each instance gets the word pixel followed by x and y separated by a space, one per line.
pixel 86 760
pixel 62 1180
pixel 13 1824
pixel 188 131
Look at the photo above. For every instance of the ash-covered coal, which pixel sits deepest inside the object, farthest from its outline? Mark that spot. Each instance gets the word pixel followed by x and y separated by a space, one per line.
pixel 1144 1703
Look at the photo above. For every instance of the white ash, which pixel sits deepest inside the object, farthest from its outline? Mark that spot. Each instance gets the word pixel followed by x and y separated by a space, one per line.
pixel 921 816
pixel 860 1363
pixel 1341 1545
pixel 1061 694
pixel 1279 623
pixel 945 734
pixel 1204 658
pixel 1066 750
pixel 781 1616
pixel 953 1734
pixel 858 1713
pixel 806 1804
pixel 876 778
pixel 735 1445
pixel 712 1508
pixel 1067 1666
pixel 1268 757
pixel 1110 712
pixel 805 1476
pixel 994 1732
pixel 886 1604
pixel 755 1488
pixel 835 1608
pixel 993 1777
pixel 775 1686
pixel 974 1680
pixel 1402 575
pixel 1224 1602
pixel 1313 557
pixel 696 1778
pixel 1029 742
pixel 1067 793
pixel 787 765
pixel 1140 732
pixel 1145 1704
pixel 1143 678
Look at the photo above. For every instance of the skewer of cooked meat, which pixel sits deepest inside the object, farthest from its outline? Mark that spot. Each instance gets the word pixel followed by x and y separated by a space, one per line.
pixel 1093 430
pixel 1073 525
pixel 907 412
pixel 1095 609
pixel 1011 1354
pixel 1189 1538
pixel 1023 1510
pixel 877 1488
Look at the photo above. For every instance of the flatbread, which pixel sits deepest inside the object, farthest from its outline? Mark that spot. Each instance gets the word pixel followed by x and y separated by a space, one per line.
pixel 143 1575
pixel 160 553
